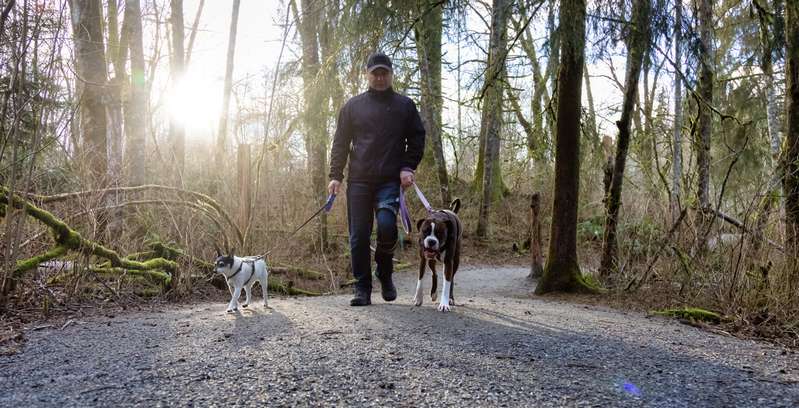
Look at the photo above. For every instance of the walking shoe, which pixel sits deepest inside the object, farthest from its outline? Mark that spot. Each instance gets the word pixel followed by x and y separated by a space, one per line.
pixel 387 288
pixel 362 298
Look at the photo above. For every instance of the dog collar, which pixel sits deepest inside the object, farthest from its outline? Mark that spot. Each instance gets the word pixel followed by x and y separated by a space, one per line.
pixel 237 271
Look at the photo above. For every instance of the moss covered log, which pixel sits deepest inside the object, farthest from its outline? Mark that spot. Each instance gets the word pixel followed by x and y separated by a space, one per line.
pixel 70 239
pixel 31 263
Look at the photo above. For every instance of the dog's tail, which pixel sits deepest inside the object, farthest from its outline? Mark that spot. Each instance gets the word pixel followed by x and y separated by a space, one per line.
pixel 456 205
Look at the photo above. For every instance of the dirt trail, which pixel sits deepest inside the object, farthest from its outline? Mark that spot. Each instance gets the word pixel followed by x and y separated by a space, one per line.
pixel 499 347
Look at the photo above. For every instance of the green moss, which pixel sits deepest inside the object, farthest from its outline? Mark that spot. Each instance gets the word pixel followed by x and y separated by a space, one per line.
pixel 690 313
pixel 31 263
pixel 565 278
pixel 592 282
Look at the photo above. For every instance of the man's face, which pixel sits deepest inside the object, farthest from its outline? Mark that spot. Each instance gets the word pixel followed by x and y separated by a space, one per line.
pixel 379 79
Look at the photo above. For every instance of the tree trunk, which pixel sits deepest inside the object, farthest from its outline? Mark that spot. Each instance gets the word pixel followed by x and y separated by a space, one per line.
pixel 553 59
pixel 636 49
pixel 315 102
pixel 87 21
pixel 676 166
pixel 562 271
pixel 177 134
pixel 136 104
pixel 492 106
pixel 791 163
pixel 536 257
pixel 705 90
pixel 769 44
pixel 428 45
pixel 193 34
pixel 221 139
pixel 116 55
pixel 589 96
pixel 539 85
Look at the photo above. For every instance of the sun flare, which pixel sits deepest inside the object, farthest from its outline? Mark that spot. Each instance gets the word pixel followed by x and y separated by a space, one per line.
pixel 193 104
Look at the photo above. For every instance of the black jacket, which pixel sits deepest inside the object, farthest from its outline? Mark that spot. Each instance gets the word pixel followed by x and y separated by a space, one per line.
pixel 381 133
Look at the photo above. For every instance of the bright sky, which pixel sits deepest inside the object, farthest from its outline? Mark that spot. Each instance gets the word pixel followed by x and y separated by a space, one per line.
pixel 257 49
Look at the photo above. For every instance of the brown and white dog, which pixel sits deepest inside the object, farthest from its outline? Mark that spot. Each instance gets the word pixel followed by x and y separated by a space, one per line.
pixel 440 234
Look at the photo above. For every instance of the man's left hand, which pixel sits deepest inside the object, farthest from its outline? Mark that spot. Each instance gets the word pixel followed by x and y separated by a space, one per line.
pixel 407 178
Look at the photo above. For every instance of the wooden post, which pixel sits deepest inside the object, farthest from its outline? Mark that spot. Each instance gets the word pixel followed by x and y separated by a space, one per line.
pixel 537 265
pixel 244 178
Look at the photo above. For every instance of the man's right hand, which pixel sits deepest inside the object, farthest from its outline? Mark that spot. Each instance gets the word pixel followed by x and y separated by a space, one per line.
pixel 333 187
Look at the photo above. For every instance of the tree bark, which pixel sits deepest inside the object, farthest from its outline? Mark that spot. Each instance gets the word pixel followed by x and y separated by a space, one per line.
pixel 676 164
pixel 492 116
pixel 221 139
pixel 117 52
pixel 91 70
pixel 706 78
pixel 536 256
pixel 177 134
pixel 314 102
pixel 136 104
pixel 428 45
pixel 637 43
pixel 791 163
pixel 562 271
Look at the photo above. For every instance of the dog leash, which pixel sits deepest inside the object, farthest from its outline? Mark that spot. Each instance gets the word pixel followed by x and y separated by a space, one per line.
pixel 405 214
pixel 326 207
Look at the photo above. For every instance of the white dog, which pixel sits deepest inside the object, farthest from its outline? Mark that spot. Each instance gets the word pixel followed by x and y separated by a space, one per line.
pixel 242 272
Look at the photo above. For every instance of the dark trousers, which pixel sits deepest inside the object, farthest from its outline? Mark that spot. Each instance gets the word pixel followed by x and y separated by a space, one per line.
pixel 365 202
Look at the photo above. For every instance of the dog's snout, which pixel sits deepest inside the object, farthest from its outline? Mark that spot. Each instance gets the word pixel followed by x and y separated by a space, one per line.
pixel 430 242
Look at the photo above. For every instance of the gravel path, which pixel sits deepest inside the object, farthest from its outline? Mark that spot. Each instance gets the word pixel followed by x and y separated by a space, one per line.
pixel 498 348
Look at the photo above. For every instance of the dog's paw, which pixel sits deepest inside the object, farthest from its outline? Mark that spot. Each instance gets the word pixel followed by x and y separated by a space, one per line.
pixel 417 300
pixel 233 310
pixel 245 305
pixel 444 308
pixel 266 306
pixel 433 297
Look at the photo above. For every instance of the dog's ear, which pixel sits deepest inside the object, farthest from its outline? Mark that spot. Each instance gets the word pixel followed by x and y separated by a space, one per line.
pixel 218 252
pixel 419 224
pixel 232 252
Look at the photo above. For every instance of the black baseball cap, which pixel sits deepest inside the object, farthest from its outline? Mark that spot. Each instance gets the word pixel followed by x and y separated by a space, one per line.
pixel 378 60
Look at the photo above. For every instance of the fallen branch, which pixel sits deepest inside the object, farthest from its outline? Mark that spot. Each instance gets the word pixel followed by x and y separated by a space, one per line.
pixel 68 239
pixel 147 187
pixel 738 224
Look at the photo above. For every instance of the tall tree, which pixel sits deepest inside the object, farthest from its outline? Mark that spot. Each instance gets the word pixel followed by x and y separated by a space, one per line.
pixel 87 22
pixel 676 164
pixel 177 134
pixel 705 125
pixel 791 163
pixel 562 271
pixel 637 44
pixel 315 103
pixel 221 138
pixel 117 55
pixel 491 124
pixel 136 104
pixel 428 46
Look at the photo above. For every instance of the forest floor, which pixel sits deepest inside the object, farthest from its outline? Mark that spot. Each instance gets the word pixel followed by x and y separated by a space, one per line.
pixel 501 346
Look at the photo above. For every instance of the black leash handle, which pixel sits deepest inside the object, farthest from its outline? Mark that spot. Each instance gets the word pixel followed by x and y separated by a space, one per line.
pixel 326 208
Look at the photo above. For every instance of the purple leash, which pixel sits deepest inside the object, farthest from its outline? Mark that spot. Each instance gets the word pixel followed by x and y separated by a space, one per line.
pixel 405 214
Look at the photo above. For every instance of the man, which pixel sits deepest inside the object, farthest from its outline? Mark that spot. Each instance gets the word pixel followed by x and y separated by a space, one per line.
pixel 381 133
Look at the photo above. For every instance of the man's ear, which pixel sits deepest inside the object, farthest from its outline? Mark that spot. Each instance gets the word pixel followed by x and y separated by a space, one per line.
pixel 419 224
